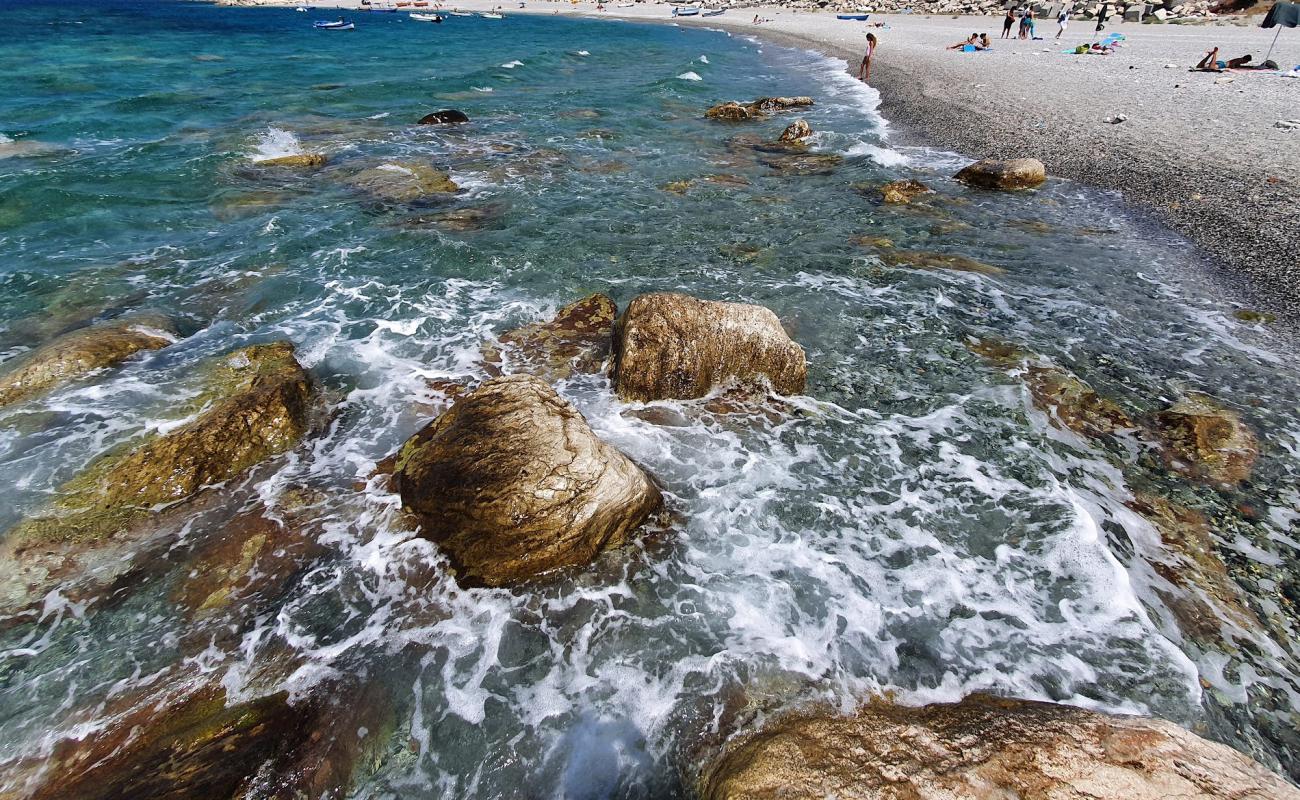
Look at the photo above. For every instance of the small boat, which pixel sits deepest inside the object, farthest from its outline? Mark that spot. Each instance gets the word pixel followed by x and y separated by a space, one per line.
pixel 403 5
pixel 420 4
pixel 853 17
pixel 491 15
pixel 302 9
pixel 685 12
pixel 712 12
pixel 460 13
pixel 327 25
pixel 425 17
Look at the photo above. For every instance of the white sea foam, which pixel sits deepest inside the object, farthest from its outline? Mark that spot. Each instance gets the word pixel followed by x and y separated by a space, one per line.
pixel 483 89
pixel 276 143
pixel 690 76
pixel 512 64
pixel 703 59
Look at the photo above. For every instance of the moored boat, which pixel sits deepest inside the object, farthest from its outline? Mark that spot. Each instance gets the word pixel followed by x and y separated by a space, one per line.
pixel 712 12
pixel 853 17
pixel 425 17
pixel 679 11
pixel 492 15
pixel 338 25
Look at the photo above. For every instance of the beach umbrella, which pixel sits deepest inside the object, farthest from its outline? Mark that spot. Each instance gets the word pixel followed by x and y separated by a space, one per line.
pixel 1281 15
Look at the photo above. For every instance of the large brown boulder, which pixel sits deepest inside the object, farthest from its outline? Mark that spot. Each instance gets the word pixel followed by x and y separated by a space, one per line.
pixel 1206 442
pixel 512 483
pixel 577 340
pixel 81 352
pixel 674 346
pixel 983 748
pixel 1017 173
pixel 254 403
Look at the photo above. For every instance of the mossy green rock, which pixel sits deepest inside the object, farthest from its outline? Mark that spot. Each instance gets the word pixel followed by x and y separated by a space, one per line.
pixel 81 352
pixel 254 405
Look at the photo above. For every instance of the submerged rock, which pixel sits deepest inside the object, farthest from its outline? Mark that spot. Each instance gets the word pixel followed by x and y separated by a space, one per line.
pixel 300 160
pixel 253 556
pixel 923 259
pixel 738 112
pixel 461 220
pixel 512 483
pixel 1205 441
pixel 1017 173
pixel 403 182
pixel 1247 315
pixel 903 191
pixel 796 131
pixel 81 352
pixel 1071 403
pixel 197 743
pixel 448 116
pixel 674 346
pixel 983 747
pixel 577 340
pixel 256 406
pixel 1201 595
pixel 803 164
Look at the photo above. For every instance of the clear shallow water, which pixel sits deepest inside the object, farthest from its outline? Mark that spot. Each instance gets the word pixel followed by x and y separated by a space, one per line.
pixel 911 525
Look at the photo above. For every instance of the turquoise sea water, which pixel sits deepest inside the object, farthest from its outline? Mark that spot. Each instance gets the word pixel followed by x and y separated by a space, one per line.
pixel 913 524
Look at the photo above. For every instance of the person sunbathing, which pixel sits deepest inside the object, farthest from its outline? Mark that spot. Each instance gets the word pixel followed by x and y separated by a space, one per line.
pixel 971 40
pixel 1210 63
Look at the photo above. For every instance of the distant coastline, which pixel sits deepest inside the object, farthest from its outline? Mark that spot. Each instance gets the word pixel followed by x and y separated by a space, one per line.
pixel 1199 153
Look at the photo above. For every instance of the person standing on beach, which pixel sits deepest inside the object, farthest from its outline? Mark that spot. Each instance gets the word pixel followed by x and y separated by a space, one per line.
pixel 1062 20
pixel 864 70
pixel 1007 22
pixel 1102 15
pixel 1026 23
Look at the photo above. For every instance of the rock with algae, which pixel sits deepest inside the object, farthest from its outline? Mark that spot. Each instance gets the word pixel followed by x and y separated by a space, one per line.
pixel 512 483
pixel 924 259
pixel 982 747
pixel 1205 441
pixel 194 741
pixel 254 405
pixel 674 346
pixel 81 352
pixel 576 340
pixel 403 182
pixel 903 191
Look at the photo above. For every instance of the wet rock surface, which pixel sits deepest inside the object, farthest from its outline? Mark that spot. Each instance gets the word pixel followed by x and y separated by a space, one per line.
pixel 982 747
pixel 197 742
pixel 796 131
pixel 81 352
pixel 674 346
pixel 403 182
pixel 733 111
pixel 305 160
pixel 576 340
pixel 1015 173
pixel 924 259
pixel 512 483
pixel 449 116
pixel 255 405
pixel 1206 441
pixel 903 191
